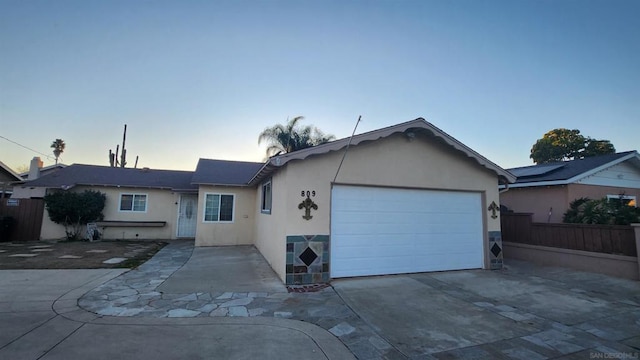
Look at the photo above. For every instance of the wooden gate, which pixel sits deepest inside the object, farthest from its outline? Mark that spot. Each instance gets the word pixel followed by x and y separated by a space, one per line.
pixel 27 218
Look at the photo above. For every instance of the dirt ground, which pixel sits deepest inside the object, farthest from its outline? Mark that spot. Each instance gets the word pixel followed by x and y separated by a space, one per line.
pixel 76 255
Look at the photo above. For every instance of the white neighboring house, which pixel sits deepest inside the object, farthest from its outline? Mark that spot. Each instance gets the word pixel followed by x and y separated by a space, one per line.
pixel 547 190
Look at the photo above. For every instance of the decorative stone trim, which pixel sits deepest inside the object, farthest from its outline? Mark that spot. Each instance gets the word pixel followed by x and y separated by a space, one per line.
pixel 307 259
pixel 495 250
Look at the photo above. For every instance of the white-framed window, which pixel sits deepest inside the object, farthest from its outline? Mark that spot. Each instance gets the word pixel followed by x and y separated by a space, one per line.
pixel 265 206
pixel 218 207
pixel 625 199
pixel 133 202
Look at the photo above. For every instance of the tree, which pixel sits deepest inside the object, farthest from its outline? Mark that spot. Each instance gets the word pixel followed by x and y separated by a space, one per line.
pixel 291 137
pixel 58 148
pixel 74 210
pixel 22 169
pixel 564 144
pixel 595 147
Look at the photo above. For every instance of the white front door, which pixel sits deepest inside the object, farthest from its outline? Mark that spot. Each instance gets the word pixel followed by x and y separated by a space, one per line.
pixel 187 214
pixel 376 231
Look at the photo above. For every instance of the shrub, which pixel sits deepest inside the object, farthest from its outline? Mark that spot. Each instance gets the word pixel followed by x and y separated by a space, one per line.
pixel 603 211
pixel 74 210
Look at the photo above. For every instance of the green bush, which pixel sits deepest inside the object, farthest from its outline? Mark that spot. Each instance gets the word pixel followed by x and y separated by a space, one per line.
pixel 74 210
pixel 604 211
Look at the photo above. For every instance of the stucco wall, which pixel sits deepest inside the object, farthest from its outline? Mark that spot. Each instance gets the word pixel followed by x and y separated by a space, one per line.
pixel 538 200
pixel 238 232
pixel 270 229
pixel 613 265
pixel 394 161
pixel 161 206
pixel 25 192
pixel 598 192
pixel 49 229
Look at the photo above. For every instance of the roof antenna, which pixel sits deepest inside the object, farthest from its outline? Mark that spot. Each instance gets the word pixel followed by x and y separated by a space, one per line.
pixel 347 148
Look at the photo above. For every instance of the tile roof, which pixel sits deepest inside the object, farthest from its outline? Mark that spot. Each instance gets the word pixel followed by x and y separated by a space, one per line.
pixel 223 172
pixel 92 175
pixel 565 170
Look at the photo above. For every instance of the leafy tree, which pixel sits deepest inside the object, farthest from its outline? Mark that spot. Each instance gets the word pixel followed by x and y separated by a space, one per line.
pixel 603 211
pixel 74 210
pixel 564 144
pixel 58 148
pixel 291 137
pixel 595 147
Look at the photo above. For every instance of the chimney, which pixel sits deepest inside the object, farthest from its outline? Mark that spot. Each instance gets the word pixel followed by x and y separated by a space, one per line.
pixel 34 168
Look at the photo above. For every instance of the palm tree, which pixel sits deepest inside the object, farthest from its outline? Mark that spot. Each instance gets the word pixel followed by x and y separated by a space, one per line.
pixel 291 137
pixel 58 148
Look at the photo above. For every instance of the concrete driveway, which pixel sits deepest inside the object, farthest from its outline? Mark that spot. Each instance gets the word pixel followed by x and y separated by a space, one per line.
pixel 40 319
pixel 522 312
pixel 185 303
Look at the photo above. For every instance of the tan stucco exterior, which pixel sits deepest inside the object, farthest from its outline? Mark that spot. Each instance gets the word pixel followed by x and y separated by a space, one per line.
pixel 539 201
pixel 238 232
pixel 161 206
pixel 576 191
pixel 395 161
pixel 421 158
pixel 554 200
pixel 271 229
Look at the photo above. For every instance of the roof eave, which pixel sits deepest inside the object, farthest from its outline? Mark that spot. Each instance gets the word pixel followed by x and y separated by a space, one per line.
pixel 266 170
pixel 605 166
pixel 220 184
pixel 540 183
pixel 337 145
pixel 580 176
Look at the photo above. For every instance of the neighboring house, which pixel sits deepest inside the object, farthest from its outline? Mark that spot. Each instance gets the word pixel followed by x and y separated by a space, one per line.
pixel 8 178
pixel 36 170
pixel 546 190
pixel 406 198
pixel 42 171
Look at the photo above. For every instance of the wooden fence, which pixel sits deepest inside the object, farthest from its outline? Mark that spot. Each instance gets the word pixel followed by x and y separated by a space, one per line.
pixel 607 239
pixel 27 218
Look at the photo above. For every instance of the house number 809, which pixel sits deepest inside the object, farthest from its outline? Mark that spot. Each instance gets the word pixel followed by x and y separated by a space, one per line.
pixel 308 193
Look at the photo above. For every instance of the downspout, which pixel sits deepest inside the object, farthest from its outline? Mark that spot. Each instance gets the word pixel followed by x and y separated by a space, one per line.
pixel 506 188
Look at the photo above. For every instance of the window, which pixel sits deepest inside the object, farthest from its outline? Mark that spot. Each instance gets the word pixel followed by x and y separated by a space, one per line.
pixel 218 208
pixel 266 197
pixel 133 202
pixel 624 199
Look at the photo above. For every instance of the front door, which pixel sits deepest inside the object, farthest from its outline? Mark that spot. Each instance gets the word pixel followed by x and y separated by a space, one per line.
pixel 187 214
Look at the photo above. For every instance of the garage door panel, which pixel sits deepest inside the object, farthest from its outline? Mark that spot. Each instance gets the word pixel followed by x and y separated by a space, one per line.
pixel 403 231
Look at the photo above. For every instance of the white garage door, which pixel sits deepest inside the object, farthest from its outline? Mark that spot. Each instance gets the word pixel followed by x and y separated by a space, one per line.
pixel 377 231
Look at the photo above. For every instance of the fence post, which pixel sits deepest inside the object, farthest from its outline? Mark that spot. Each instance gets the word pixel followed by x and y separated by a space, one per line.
pixel 636 230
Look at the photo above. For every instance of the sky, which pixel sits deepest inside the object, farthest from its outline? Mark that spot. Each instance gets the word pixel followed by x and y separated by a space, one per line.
pixel 202 79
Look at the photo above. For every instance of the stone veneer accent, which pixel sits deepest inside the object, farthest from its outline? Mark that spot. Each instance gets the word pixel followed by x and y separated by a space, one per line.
pixel 307 259
pixel 495 250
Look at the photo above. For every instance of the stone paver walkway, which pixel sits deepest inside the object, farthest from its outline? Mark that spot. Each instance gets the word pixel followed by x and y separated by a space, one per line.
pixel 610 331
pixel 133 294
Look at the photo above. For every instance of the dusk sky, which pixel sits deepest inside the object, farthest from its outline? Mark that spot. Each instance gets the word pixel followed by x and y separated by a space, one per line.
pixel 201 79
